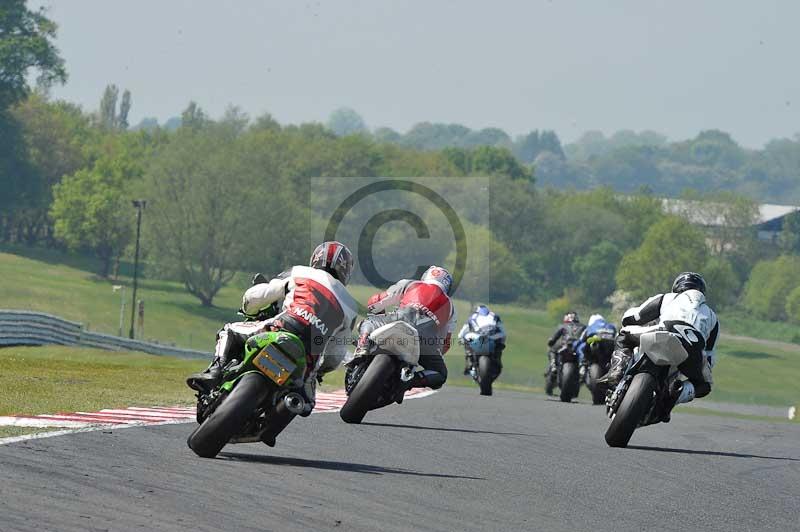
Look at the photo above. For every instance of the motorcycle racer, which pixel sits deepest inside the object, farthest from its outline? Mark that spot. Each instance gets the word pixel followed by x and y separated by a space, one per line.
pixel 684 313
pixel 567 333
pixel 598 332
pixel 426 305
pixel 313 304
pixel 483 319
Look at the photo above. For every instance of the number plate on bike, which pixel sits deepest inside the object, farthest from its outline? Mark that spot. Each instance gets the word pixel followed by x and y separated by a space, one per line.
pixel 274 364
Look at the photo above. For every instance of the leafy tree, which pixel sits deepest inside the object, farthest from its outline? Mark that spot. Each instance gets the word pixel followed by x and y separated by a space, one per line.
pixel 793 305
pixel 549 141
pixel 52 140
pixel 527 147
pixel 670 246
pixel 108 107
pixel 789 237
pixel 219 201
pixel 344 121
pixel 487 161
pixel 124 109
pixel 266 122
pixel 594 271
pixel 724 285
pixel 493 273
pixel 26 42
pixel 91 208
pixel 490 136
pixel 193 117
pixel 148 123
pixel 387 134
pixel 770 282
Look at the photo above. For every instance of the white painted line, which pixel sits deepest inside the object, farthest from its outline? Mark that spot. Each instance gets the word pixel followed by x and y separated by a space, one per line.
pixel 7 421
pixel 63 418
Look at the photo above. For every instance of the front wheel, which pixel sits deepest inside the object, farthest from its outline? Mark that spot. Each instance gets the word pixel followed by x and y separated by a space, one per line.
pixel 485 375
pixel 598 390
pixel 569 381
pixel 366 393
pixel 631 411
pixel 230 417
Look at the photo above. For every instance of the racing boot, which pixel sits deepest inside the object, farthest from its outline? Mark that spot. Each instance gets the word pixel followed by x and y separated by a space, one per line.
pixel 207 379
pixel 679 392
pixel 619 363
pixel 210 378
pixel 420 379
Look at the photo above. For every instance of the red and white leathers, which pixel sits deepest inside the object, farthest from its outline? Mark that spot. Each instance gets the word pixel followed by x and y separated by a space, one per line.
pixel 314 306
pixel 426 306
pixel 426 300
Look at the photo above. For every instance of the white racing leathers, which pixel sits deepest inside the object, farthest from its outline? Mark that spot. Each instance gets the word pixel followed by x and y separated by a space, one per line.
pixel 489 323
pixel 688 317
pixel 314 306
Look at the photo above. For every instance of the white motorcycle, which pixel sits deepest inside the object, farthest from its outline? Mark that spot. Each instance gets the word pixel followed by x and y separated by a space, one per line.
pixel 642 396
pixel 374 378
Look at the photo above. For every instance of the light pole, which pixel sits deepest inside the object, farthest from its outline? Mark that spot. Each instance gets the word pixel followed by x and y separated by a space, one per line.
pixel 140 204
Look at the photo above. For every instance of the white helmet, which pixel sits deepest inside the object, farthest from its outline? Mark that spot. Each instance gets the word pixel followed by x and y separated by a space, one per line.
pixel 595 318
pixel 439 276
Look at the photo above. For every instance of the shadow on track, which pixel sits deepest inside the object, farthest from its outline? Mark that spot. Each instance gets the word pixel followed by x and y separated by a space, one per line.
pixel 711 453
pixel 350 467
pixel 445 429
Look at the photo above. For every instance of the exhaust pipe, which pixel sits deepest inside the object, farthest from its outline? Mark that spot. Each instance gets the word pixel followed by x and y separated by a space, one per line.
pixel 294 403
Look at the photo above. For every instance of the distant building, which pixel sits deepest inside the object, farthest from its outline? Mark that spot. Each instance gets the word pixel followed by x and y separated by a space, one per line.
pixel 768 222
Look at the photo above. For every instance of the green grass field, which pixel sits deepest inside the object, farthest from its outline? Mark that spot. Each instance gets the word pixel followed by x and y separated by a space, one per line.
pixel 747 371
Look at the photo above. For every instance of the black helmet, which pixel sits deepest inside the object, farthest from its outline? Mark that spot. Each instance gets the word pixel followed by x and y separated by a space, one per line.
pixel 689 281
pixel 334 258
pixel 571 317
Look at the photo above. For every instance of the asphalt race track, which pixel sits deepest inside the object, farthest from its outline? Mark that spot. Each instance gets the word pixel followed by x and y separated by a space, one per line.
pixel 453 461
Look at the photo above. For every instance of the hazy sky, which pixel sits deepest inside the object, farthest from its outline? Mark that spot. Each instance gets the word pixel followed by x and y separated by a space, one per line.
pixel 673 66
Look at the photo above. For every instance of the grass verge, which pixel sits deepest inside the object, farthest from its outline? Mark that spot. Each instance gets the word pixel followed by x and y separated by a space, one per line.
pixel 50 379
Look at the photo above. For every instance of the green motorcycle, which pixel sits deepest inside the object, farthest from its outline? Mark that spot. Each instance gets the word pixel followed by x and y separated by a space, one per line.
pixel 257 397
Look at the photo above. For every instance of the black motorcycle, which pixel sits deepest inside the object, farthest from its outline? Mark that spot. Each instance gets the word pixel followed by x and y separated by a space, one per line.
pixel 563 372
pixel 375 377
pixel 642 396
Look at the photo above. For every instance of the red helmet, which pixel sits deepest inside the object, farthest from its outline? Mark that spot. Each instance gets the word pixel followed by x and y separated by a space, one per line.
pixel 334 258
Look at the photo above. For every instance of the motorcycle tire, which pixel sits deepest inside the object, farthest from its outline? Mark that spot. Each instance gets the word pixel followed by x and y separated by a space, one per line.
pixel 230 417
pixel 366 393
pixel 634 406
pixel 569 381
pixel 598 390
pixel 485 375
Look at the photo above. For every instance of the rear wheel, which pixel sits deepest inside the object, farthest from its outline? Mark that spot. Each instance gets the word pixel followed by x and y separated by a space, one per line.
pixel 485 374
pixel 598 390
pixel 634 406
pixel 569 381
pixel 230 417
pixel 366 393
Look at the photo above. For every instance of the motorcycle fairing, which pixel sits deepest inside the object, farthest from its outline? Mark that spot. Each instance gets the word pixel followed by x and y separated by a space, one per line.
pixel 398 338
